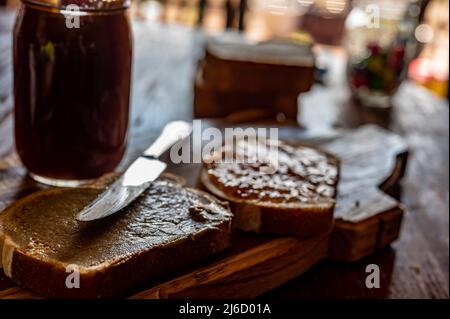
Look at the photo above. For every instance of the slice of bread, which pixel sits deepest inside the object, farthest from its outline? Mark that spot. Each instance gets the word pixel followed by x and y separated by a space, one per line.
pixel 296 198
pixel 165 229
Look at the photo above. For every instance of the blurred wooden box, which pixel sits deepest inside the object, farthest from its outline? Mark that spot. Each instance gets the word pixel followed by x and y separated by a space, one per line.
pixel 210 102
pixel 276 66
pixel 265 78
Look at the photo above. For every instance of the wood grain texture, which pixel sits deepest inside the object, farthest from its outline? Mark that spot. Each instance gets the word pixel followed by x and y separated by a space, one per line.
pixel 415 267
pixel 354 241
pixel 18 293
pixel 248 274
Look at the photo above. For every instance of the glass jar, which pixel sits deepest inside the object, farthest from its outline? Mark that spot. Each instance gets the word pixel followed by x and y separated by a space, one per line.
pixel 379 43
pixel 72 69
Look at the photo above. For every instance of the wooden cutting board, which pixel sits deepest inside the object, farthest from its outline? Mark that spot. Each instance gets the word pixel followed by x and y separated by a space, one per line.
pixel 366 219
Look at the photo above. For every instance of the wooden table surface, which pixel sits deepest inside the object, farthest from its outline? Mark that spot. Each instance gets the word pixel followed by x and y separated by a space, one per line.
pixel 417 265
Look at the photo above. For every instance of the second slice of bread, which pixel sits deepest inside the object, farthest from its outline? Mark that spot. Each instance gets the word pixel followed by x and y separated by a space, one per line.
pixel 301 219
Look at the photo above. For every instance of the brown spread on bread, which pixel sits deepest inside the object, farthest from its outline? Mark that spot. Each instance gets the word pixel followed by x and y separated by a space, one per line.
pixel 165 229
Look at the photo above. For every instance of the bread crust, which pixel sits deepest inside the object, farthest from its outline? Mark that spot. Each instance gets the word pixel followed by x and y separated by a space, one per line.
pixel 302 221
pixel 48 279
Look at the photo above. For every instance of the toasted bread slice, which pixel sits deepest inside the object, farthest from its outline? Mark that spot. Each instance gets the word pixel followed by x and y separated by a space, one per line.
pixel 296 198
pixel 165 229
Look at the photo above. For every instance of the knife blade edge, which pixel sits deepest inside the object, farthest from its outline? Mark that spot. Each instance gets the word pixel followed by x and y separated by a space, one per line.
pixel 124 190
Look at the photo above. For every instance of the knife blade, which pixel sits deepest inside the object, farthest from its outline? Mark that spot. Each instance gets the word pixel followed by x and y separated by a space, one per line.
pixel 138 176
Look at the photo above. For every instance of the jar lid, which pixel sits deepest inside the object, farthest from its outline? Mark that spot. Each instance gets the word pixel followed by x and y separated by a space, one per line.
pixel 83 4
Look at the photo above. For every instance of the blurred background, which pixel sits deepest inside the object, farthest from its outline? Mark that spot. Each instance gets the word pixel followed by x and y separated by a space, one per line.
pixel 326 22
pixel 364 47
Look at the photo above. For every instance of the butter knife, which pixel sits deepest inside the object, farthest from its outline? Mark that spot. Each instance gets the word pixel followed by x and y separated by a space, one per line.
pixel 138 176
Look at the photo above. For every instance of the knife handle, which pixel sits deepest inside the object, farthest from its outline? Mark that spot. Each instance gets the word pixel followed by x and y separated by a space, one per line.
pixel 172 133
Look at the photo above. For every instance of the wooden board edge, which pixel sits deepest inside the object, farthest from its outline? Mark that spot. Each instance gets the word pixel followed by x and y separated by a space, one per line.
pixel 248 274
pixel 18 293
pixel 353 241
pixel 390 184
